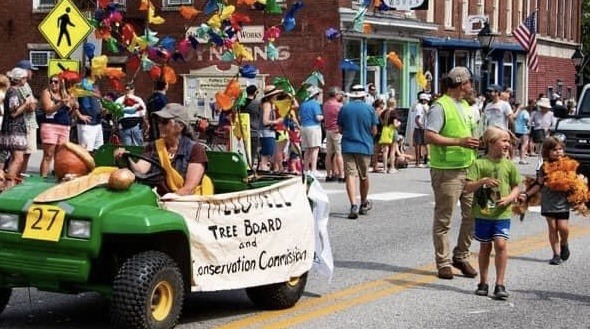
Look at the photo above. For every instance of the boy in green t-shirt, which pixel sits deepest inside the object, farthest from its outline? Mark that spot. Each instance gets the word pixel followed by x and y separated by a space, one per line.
pixel 494 178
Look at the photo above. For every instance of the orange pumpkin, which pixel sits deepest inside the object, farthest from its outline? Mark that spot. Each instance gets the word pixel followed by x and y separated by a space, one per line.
pixel 72 159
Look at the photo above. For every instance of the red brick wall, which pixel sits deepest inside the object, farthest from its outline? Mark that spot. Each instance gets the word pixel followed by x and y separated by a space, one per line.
pixel 551 69
pixel 306 42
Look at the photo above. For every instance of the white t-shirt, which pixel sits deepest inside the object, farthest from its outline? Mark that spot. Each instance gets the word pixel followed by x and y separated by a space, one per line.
pixel 420 115
pixel 497 114
pixel 138 108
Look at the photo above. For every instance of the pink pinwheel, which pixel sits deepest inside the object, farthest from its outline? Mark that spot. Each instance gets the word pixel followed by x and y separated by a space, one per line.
pixel 272 33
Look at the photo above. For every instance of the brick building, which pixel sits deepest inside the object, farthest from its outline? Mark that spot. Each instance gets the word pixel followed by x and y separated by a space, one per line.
pixel 429 40
pixel 558 35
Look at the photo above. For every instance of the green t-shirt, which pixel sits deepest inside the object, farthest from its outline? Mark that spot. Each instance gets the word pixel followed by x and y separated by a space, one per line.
pixel 506 172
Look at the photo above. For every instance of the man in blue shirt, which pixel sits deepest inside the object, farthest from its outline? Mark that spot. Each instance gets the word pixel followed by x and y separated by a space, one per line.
pixel 89 127
pixel 358 124
pixel 154 103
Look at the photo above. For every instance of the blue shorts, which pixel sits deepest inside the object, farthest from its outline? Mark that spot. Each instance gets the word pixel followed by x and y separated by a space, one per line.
pixel 267 146
pixel 488 229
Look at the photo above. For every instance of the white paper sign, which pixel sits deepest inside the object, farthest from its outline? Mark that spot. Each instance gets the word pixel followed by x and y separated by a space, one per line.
pixel 249 238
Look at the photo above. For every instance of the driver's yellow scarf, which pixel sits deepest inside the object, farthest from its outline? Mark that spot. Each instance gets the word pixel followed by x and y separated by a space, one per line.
pixel 174 179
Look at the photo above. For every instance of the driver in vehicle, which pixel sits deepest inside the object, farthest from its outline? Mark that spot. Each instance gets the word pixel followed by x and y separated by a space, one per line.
pixel 182 159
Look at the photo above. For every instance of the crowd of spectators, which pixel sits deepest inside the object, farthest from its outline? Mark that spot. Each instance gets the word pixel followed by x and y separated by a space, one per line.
pixel 60 113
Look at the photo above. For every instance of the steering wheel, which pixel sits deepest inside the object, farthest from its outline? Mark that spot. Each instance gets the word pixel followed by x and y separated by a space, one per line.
pixel 153 177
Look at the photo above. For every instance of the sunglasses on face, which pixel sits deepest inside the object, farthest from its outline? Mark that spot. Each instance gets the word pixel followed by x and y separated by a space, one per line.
pixel 54 81
pixel 162 121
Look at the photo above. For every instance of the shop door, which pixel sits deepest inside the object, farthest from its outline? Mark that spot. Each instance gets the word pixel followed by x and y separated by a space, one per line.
pixel 374 76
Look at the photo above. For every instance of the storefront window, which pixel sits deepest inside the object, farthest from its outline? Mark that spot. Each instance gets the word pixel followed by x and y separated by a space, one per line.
pixel 507 74
pixel 445 64
pixel 393 77
pixel 461 58
pixel 375 63
pixel 352 52
pixel 428 67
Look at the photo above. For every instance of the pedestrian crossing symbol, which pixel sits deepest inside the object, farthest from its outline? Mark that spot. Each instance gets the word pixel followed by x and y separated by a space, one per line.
pixel 65 28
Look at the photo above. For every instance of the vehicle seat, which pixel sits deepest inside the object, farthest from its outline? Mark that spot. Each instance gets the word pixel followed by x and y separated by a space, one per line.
pixel 228 171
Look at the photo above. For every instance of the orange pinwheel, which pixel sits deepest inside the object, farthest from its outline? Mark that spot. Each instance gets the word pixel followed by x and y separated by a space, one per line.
pixel 169 75
pixel 189 12
pixel 114 72
pixel 233 88
pixel 143 5
pixel 223 101
pixel 395 60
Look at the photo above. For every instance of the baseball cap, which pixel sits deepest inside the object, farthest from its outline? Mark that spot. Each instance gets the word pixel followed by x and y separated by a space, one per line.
pixel 174 111
pixel 424 96
pixel 16 73
pixel 459 74
pixel 494 87
pixel 27 65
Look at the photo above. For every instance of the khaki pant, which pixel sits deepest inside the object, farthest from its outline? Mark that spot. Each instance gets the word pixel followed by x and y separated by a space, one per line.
pixel 448 185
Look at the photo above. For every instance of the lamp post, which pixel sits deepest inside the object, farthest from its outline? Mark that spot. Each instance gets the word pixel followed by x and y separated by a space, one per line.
pixel 485 38
pixel 579 59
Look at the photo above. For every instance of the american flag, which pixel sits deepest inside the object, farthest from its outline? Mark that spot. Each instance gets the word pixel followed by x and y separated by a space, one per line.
pixel 526 35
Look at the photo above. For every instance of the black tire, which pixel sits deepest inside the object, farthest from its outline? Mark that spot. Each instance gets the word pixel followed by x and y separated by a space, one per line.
pixel 5 294
pixel 148 292
pixel 278 295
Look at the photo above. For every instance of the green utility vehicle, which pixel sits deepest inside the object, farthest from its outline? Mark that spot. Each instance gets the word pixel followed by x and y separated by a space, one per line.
pixel 146 253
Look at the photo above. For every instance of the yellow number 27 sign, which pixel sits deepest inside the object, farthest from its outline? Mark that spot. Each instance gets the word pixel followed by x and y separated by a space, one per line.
pixel 44 222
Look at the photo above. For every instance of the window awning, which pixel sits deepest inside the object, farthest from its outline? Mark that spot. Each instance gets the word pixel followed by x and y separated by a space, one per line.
pixel 467 44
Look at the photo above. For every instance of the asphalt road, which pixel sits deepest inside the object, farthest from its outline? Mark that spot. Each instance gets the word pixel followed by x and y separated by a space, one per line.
pixel 384 277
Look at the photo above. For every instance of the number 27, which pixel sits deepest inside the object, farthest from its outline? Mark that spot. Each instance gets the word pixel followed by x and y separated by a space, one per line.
pixel 36 225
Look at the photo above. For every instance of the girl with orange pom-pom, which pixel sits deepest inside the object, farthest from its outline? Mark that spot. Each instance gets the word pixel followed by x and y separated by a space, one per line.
pixel 561 189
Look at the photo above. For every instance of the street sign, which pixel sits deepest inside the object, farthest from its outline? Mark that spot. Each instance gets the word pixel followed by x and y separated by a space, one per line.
pixel 65 28
pixel 56 66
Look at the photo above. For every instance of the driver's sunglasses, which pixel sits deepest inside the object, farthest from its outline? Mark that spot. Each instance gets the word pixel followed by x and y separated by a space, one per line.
pixel 163 121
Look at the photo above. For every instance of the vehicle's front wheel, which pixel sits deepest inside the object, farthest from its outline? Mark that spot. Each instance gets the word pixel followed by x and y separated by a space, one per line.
pixel 5 294
pixel 278 295
pixel 147 292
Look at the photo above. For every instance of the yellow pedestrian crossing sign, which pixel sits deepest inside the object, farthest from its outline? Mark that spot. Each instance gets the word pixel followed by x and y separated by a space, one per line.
pixel 65 28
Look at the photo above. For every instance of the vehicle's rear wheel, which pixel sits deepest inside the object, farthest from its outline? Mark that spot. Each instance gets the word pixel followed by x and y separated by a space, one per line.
pixel 147 292
pixel 278 295
pixel 4 297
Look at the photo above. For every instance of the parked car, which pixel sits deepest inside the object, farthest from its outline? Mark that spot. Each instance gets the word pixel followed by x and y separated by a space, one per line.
pixel 574 130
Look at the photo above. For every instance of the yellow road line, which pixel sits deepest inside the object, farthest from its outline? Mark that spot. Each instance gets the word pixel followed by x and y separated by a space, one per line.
pixel 366 292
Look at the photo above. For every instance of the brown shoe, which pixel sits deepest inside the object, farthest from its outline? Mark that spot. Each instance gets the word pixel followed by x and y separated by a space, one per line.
pixel 445 273
pixel 465 268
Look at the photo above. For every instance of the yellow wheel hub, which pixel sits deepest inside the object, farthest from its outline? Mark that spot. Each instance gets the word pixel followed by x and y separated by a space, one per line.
pixel 293 281
pixel 162 300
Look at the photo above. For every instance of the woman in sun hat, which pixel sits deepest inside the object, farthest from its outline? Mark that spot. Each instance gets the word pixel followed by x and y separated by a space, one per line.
pixel 310 116
pixel 13 135
pixel 267 132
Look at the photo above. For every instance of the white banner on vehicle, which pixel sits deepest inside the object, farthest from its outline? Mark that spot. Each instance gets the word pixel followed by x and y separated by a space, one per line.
pixel 249 238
